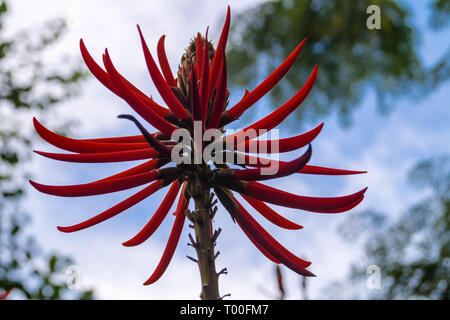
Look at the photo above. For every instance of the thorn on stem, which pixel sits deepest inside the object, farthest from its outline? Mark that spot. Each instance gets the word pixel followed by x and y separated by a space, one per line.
pixel 192 259
pixel 213 213
pixel 193 243
pixel 189 215
pixel 223 271
pixel 215 235
pixel 226 295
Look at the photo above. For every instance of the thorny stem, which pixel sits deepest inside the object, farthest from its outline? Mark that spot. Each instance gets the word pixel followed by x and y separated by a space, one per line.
pixel 204 237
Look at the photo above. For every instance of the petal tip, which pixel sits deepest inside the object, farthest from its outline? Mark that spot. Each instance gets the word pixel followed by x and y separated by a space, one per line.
pixel 149 282
pixel 127 244
pixel 62 229
pixel 34 184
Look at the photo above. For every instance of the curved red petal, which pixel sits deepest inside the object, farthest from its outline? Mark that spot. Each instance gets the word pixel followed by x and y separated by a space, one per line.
pixel 237 110
pixel 135 100
pixel 272 246
pixel 259 162
pixel 195 98
pixel 172 243
pixel 96 188
pixel 284 145
pixel 284 169
pixel 104 78
pixel 217 60
pixel 276 117
pixel 96 70
pixel 221 95
pixel 164 63
pixel 144 167
pixel 118 208
pixel 161 85
pixel 204 81
pixel 308 169
pixel 198 53
pixel 259 246
pixel 270 214
pixel 341 209
pixel 157 218
pixel 118 156
pixel 286 199
pixel 82 146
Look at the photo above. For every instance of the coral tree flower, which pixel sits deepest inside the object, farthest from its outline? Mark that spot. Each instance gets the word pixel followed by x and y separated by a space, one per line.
pixel 198 93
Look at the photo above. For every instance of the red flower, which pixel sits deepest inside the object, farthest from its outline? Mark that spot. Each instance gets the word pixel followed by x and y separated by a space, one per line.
pixel 199 93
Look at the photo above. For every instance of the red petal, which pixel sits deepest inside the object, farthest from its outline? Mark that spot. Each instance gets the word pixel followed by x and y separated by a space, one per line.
pixel 195 98
pixel 341 209
pixel 124 139
pixel 104 78
pixel 157 218
pixel 161 85
pixel 204 81
pixel 265 86
pixel 128 139
pixel 268 213
pixel 82 146
pixel 149 102
pixel 286 199
pixel 100 187
pixel 199 53
pixel 172 243
pixel 284 169
pixel 252 161
pixel 273 247
pixel 259 247
pixel 284 145
pixel 308 169
pixel 118 208
pixel 217 60
pixel 96 70
pixel 231 205
pixel 276 117
pixel 118 156
pixel 164 63
pixel 144 167
pixel 221 95
pixel 135 100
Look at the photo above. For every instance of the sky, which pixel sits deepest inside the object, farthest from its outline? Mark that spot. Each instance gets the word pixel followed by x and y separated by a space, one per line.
pixel 385 146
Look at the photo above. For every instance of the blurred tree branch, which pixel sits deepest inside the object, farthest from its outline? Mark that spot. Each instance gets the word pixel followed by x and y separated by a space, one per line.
pixel 351 58
pixel 412 251
pixel 26 83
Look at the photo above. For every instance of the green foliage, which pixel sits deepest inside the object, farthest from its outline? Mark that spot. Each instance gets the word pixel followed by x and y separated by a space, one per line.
pixel 26 84
pixel 441 14
pixel 350 56
pixel 25 269
pixel 413 251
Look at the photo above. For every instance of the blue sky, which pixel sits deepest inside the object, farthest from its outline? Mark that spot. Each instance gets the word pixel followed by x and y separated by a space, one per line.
pixel 386 146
